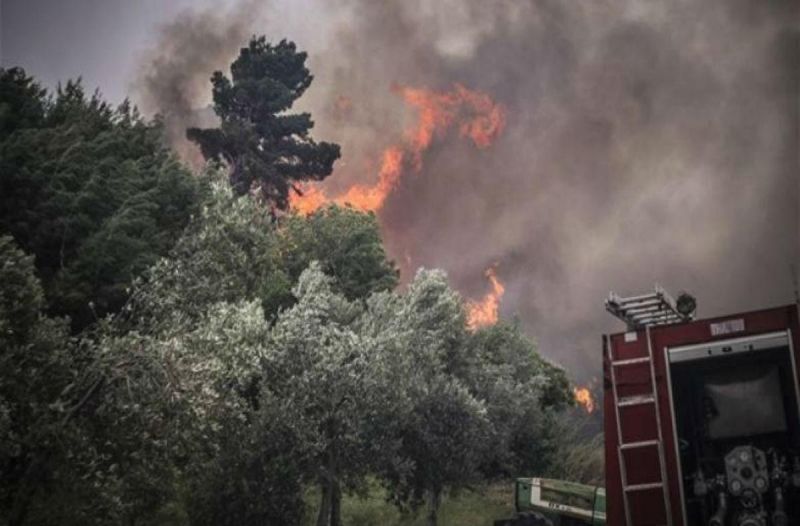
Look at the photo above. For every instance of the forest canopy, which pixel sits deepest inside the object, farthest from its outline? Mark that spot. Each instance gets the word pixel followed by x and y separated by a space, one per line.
pixel 91 191
pixel 174 352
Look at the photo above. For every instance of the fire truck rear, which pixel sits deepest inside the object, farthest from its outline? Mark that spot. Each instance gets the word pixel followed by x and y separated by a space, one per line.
pixel 701 416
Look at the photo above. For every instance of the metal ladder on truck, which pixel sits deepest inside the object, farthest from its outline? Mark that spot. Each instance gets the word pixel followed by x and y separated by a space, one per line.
pixel 638 312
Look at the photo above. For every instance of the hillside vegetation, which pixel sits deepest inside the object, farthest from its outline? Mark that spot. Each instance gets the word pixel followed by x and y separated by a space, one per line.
pixel 175 349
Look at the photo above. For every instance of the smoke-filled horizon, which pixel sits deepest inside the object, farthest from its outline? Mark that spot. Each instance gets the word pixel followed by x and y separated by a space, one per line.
pixel 643 143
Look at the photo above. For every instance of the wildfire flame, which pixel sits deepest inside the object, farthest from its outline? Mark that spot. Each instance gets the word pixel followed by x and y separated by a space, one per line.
pixel 484 312
pixel 475 114
pixel 584 398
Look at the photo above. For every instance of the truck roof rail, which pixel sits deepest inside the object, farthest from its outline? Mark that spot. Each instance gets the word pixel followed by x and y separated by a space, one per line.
pixel 655 308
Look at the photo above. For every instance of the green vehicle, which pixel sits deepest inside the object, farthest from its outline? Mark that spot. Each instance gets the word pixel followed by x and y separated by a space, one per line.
pixel 547 502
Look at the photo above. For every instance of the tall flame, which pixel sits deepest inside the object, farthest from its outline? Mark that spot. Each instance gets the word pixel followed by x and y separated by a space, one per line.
pixel 484 312
pixel 584 398
pixel 475 114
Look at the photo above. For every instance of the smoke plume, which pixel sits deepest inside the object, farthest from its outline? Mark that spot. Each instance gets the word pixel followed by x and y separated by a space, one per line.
pixel 173 78
pixel 643 143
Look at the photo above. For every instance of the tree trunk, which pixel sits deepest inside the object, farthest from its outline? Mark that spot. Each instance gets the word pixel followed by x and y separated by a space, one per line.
pixel 324 516
pixel 336 504
pixel 25 490
pixel 433 506
pixel 30 481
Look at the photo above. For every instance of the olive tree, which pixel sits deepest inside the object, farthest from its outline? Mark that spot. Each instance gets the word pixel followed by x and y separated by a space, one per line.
pixel 442 434
pixel 334 382
pixel 234 250
pixel 522 392
pixel 480 403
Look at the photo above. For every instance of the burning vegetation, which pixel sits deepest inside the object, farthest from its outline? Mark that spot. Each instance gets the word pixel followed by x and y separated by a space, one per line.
pixel 295 320
pixel 484 312
pixel 610 108
pixel 475 116
pixel 473 113
pixel 584 398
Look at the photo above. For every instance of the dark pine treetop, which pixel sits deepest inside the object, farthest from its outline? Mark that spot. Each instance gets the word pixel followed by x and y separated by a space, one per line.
pixel 263 145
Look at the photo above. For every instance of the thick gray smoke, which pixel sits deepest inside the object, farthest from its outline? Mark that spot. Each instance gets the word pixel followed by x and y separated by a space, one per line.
pixel 646 142
pixel 173 79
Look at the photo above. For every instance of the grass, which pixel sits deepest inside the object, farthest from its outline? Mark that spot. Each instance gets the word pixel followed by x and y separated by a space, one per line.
pixel 468 508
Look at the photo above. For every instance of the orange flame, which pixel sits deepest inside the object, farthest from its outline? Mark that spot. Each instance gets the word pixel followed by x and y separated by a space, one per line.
pixel 477 117
pixel 312 199
pixel 484 312
pixel 371 198
pixel 584 398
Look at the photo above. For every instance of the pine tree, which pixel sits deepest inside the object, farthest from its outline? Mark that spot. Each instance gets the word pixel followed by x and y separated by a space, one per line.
pixel 263 145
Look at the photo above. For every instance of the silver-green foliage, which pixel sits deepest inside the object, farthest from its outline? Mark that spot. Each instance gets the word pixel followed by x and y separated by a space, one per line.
pixel 227 254
pixel 397 386
pixel 522 391
pixel 223 379
pixel 334 384
pixel 442 434
pixel 481 402
pixel 201 319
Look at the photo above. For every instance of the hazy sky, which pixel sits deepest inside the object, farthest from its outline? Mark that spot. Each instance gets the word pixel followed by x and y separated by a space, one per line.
pixel 103 40
pixel 96 39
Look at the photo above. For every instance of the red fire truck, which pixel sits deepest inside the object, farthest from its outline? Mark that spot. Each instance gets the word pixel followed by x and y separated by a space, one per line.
pixel 701 416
